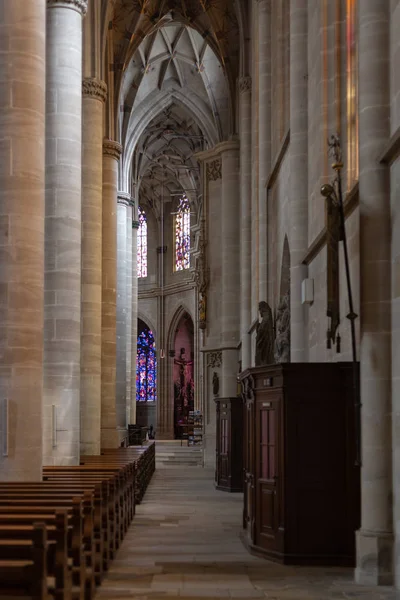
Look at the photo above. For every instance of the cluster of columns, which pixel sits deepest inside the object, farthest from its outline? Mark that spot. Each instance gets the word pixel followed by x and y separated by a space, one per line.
pixel 58 199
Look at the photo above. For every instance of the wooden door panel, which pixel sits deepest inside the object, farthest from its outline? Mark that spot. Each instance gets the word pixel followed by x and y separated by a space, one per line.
pixel 267 473
pixel 268 511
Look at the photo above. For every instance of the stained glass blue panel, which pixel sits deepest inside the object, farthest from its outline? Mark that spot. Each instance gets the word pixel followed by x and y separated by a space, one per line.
pixel 146 367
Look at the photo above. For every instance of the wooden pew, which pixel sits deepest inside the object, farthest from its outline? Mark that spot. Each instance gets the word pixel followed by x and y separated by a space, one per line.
pixel 103 490
pixel 122 474
pixel 82 521
pixel 27 576
pixel 107 487
pixel 58 568
pixel 36 489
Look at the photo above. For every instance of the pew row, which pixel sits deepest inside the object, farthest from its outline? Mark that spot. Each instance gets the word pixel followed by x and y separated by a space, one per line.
pixel 59 535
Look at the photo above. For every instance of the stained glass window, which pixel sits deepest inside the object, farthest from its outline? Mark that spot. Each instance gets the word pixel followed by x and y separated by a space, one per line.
pixel 146 366
pixel 142 245
pixel 182 235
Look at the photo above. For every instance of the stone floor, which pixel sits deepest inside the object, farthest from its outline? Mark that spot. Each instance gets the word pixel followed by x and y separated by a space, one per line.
pixel 184 544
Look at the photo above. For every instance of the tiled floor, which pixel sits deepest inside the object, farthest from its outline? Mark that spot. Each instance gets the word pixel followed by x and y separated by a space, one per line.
pixel 184 544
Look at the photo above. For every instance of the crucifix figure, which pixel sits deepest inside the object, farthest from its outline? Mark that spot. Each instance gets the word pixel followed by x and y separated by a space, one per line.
pixel 185 377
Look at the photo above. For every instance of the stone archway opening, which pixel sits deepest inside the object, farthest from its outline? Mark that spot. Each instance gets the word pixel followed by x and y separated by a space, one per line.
pixel 183 374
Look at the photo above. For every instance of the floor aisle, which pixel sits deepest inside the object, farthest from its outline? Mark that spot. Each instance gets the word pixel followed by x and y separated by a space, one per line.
pixel 184 544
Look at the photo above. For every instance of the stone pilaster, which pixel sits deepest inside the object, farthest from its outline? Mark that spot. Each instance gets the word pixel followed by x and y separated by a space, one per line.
pixel 135 227
pixel 111 154
pixel 94 94
pixel 128 310
pixel 230 280
pixel 264 145
pixel 245 238
pixel 375 539
pixel 395 177
pixel 298 179
pixel 123 204
pixel 62 346
pixel 22 127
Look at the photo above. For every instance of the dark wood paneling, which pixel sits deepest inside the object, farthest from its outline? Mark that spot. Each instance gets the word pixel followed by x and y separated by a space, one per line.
pixel 302 506
pixel 229 463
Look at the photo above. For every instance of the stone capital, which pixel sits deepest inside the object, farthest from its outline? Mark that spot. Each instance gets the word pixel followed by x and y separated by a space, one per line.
pixel 244 84
pixel 112 149
pixel 124 199
pixel 79 5
pixel 94 88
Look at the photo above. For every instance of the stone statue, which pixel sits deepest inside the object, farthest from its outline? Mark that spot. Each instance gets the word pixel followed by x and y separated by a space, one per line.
pixel 282 341
pixel 215 382
pixel 202 311
pixel 265 336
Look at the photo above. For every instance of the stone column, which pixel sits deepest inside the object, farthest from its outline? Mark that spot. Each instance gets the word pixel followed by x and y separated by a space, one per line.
pixel 374 539
pixel 395 199
pixel 123 203
pixel 94 96
pixel 62 332
pixel 245 239
pixel 135 227
pixel 109 435
pixel 128 310
pixel 22 131
pixel 264 109
pixel 230 299
pixel 298 179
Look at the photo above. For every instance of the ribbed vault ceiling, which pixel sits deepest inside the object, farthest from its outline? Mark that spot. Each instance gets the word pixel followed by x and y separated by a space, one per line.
pixel 174 64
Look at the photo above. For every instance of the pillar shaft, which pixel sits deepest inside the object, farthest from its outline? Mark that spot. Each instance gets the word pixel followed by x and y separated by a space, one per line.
pixel 264 108
pixel 395 201
pixel 22 127
pixel 111 155
pixel 298 184
pixel 128 311
pixel 374 540
pixel 135 226
pixel 245 238
pixel 123 204
pixel 63 231
pixel 94 96
pixel 230 300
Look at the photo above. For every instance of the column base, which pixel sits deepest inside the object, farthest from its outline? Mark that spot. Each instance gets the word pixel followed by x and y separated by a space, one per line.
pixel 109 438
pixel 374 558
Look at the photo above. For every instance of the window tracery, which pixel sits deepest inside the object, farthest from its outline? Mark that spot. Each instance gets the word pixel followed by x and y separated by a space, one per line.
pixel 146 367
pixel 142 244
pixel 182 235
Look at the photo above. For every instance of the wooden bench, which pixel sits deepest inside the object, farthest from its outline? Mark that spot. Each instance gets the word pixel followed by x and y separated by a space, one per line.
pixel 96 501
pixel 59 571
pixel 27 576
pixel 82 521
pixel 90 492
